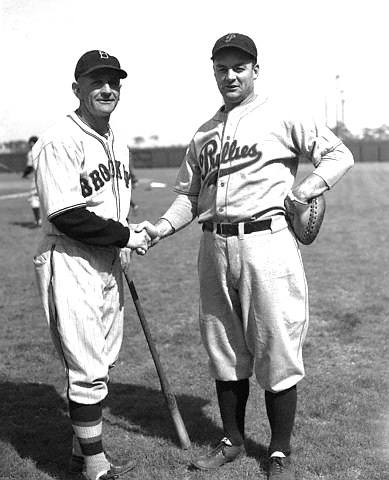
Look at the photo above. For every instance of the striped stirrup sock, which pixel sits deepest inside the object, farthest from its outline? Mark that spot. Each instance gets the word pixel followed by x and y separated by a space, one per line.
pixel 87 426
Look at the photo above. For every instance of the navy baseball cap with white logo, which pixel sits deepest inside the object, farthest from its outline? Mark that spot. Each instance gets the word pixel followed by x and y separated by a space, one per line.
pixel 97 60
pixel 235 40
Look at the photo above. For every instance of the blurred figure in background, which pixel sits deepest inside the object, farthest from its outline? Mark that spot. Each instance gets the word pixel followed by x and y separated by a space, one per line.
pixel 134 181
pixel 29 173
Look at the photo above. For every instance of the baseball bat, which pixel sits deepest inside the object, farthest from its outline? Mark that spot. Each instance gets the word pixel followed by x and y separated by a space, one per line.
pixel 165 386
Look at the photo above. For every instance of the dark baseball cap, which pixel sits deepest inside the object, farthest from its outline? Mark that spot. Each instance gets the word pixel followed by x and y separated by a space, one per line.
pixel 97 60
pixel 236 40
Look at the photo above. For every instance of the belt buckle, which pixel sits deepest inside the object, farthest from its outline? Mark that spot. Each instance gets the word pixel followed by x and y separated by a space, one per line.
pixel 223 229
pixel 220 229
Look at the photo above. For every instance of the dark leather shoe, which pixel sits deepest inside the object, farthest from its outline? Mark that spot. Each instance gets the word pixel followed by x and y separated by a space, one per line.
pixel 76 465
pixel 281 469
pixel 112 474
pixel 222 454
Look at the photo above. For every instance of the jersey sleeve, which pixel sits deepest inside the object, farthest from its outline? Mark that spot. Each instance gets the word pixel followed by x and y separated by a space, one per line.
pixel 58 168
pixel 87 227
pixel 182 211
pixel 330 157
pixel 188 180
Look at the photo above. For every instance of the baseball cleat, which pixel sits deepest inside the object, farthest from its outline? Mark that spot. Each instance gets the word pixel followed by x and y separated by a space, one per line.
pixel 110 475
pixel 76 465
pixel 281 469
pixel 223 453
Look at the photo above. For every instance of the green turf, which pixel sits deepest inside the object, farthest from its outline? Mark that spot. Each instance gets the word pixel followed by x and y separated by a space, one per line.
pixel 342 426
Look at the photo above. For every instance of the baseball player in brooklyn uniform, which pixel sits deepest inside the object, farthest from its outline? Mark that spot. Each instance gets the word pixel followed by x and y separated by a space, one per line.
pixel 238 169
pixel 83 181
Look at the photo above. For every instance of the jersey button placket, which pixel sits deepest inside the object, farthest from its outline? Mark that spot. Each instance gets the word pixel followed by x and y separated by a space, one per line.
pixel 221 182
pixel 220 198
pixel 225 179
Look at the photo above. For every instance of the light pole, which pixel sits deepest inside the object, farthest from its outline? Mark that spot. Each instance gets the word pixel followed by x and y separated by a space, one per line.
pixel 337 78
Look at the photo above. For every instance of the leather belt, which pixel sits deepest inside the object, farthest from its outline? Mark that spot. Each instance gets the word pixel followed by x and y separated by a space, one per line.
pixel 230 229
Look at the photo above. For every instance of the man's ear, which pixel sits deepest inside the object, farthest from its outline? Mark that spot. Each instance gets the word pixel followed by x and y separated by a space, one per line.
pixel 76 89
pixel 256 71
pixel 214 69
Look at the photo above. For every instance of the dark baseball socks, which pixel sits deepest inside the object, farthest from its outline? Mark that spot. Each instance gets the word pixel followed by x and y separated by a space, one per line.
pixel 87 426
pixel 281 411
pixel 280 407
pixel 232 397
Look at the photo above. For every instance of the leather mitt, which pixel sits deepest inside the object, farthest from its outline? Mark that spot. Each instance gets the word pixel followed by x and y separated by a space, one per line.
pixel 305 219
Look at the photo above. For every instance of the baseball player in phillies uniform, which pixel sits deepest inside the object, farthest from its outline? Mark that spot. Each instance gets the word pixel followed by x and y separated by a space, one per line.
pixel 238 169
pixel 84 185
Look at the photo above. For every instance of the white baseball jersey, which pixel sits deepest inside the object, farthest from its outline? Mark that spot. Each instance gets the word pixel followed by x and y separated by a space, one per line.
pixel 77 167
pixel 242 164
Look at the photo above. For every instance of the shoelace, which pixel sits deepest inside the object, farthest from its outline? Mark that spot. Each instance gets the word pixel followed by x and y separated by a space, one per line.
pixel 224 442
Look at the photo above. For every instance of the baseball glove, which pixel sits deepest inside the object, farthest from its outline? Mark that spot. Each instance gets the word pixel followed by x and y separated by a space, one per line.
pixel 305 219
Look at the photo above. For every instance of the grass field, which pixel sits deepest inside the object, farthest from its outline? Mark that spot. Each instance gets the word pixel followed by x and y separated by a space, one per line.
pixel 342 426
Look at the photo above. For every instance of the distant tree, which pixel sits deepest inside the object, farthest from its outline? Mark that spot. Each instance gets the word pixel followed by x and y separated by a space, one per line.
pixel 378 133
pixel 17 146
pixel 139 140
pixel 154 137
pixel 343 132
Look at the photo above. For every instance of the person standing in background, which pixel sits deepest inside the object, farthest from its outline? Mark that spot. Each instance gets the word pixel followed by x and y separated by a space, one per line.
pixel 29 173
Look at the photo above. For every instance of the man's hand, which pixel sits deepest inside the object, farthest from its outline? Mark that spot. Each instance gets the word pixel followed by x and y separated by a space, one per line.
pixel 125 257
pixel 139 241
pixel 152 231
pixel 156 232
pixel 312 186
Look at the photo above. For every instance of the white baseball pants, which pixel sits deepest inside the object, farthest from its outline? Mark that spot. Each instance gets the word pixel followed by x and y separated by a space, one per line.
pixel 82 293
pixel 254 306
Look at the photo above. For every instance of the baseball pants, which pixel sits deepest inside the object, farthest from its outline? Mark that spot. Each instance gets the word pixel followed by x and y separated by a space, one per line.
pixel 82 293
pixel 254 306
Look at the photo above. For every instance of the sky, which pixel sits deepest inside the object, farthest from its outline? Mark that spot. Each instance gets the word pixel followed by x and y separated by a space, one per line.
pixel 312 54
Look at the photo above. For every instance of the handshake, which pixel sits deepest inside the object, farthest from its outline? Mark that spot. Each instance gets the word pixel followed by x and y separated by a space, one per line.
pixel 145 235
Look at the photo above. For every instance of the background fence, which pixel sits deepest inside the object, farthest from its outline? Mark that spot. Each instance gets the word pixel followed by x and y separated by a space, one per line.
pixel 369 150
pixel 159 157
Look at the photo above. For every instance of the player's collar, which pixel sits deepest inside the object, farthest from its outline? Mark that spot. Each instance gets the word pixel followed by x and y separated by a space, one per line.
pixel 247 105
pixel 84 126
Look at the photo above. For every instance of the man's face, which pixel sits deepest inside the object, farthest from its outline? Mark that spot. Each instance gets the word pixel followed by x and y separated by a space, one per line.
pixel 235 74
pixel 98 92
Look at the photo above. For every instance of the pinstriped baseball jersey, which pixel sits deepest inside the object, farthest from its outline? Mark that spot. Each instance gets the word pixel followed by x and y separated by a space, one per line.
pixel 242 164
pixel 77 167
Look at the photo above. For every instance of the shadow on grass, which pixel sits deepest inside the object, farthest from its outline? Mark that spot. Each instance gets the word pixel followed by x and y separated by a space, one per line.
pixel 145 409
pixel 30 225
pixel 33 419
